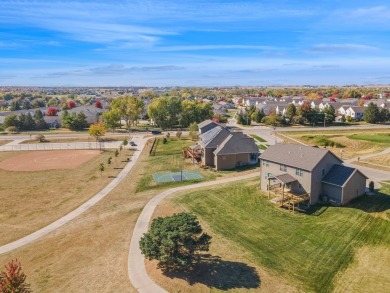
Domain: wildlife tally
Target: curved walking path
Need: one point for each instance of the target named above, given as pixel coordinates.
(136, 265)
(81, 209)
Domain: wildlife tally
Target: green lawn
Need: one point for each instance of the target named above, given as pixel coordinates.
(262, 147)
(258, 138)
(168, 158)
(306, 249)
(378, 137)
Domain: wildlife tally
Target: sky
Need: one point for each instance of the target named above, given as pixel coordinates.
(194, 43)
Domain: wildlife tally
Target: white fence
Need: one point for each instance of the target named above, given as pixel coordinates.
(60, 146)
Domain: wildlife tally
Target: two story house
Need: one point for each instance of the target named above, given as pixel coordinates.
(310, 170)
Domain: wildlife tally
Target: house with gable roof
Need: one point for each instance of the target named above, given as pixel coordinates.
(312, 171)
(222, 149)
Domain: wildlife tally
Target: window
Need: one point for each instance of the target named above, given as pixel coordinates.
(283, 168)
(299, 172)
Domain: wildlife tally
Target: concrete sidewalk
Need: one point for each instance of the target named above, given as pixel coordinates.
(136, 262)
(81, 209)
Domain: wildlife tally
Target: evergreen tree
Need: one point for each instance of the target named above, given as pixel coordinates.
(330, 114)
(371, 114)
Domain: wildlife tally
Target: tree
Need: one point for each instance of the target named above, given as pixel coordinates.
(112, 118)
(178, 134)
(98, 104)
(290, 112)
(71, 104)
(384, 115)
(101, 169)
(258, 115)
(174, 241)
(166, 111)
(372, 114)
(116, 153)
(14, 106)
(109, 161)
(194, 130)
(330, 114)
(128, 108)
(352, 94)
(13, 280)
(125, 142)
(97, 130)
(40, 123)
(52, 111)
(11, 120)
(26, 122)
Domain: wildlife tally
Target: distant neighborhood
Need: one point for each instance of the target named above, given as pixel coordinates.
(179, 107)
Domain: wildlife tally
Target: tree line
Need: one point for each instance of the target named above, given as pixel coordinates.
(166, 112)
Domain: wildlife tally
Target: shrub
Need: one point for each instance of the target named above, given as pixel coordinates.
(11, 129)
(40, 138)
(13, 280)
(371, 186)
(165, 140)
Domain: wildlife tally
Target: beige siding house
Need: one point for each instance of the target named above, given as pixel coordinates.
(310, 170)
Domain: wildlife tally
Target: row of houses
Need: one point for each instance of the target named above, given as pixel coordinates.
(343, 107)
(92, 114)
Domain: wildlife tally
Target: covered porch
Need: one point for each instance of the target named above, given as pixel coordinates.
(281, 192)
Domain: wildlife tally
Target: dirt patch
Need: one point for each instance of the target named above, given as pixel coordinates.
(370, 272)
(48, 160)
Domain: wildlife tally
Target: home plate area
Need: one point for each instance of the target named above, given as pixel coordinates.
(177, 176)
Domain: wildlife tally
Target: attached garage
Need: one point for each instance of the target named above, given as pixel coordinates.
(342, 184)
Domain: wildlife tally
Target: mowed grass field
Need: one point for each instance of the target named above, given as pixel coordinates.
(30, 200)
(169, 158)
(325, 251)
(356, 142)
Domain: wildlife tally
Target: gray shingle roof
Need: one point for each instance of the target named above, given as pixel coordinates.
(338, 175)
(295, 155)
(237, 143)
(213, 137)
(205, 123)
(285, 178)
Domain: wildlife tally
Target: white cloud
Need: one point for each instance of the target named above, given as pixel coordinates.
(340, 48)
(212, 47)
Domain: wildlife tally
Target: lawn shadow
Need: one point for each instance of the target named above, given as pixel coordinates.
(315, 210)
(215, 272)
(378, 202)
(111, 176)
(118, 168)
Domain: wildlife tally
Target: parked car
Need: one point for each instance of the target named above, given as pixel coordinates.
(156, 132)
(132, 143)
